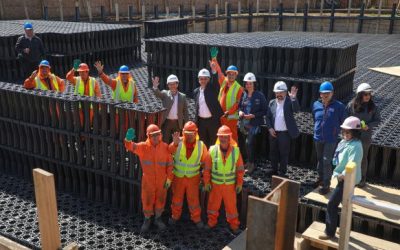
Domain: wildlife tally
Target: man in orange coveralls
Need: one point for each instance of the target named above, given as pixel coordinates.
(190, 155)
(224, 179)
(156, 162)
(43, 79)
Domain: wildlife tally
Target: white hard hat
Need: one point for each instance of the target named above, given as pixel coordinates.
(351, 122)
(249, 77)
(172, 78)
(280, 86)
(204, 73)
(364, 87)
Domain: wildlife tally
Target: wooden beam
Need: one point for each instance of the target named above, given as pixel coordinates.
(47, 209)
(7, 244)
(345, 218)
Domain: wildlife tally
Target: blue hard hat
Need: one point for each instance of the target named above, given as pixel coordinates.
(326, 87)
(44, 63)
(232, 68)
(124, 69)
(28, 26)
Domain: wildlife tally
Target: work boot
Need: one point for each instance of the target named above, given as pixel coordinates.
(159, 223)
(325, 237)
(250, 168)
(146, 225)
(324, 190)
(207, 227)
(361, 184)
(172, 221)
(235, 231)
(200, 225)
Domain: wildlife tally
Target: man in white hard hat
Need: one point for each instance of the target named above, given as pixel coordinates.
(208, 109)
(176, 113)
(281, 125)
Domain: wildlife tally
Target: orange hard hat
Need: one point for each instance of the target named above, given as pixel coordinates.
(190, 127)
(83, 67)
(152, 129)
(224, 130)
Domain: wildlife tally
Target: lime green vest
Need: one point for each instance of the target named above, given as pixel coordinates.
(230, 98)
(184, 167)
(80, 86)
(223, 173)
(40, 85)
(121, 95)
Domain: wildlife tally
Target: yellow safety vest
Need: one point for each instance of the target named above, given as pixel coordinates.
(184, 167)
(80, 86)
(121, 95)
(230, 98)
(223, 173)
(39, 84)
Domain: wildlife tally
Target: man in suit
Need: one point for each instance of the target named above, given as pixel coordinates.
(208, 109)
(282, 126)
(176, 113)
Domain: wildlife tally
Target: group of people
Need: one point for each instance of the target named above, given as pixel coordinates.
(207, 155)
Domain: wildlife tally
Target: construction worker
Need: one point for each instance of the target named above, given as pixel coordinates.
(124, 87)
(156, 162)
(230, 93)
(85, 85)
(224, 179)
(190, 154)
(43, 79)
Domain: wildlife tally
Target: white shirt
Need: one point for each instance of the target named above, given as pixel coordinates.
(204, 111)
(173, 113)
(280, 124)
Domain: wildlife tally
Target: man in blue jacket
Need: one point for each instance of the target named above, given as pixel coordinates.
(328, 115)
(282, 126)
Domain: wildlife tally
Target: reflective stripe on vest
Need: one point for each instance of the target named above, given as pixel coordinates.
(230, 98)
(80, 86)
(121, 95)
(39, 84)
(223, 173)
(187, 167)
(161, 163)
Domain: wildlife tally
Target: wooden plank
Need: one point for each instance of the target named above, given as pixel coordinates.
(357, 240)
(7, 244)
(72, 246)
(261, 218)
(347, 207)
(47, 209)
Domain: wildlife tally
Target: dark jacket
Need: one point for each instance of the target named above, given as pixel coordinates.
(327, 120)
(168, 100)
(37, 52)
(258, 107)
(211, 97)
(371, 118)
(290, 107)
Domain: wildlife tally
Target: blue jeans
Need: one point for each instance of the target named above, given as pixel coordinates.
(331, 219)
(325, 152)
(250, 147)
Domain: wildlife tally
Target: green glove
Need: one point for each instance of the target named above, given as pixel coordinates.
(76, 63)
(214, 52)
(167, 183)
(238, 189)
(130, 134)
(207, 188)
(363, 124)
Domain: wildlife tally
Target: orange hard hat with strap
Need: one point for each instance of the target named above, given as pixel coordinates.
(83, 67)
(152, 129)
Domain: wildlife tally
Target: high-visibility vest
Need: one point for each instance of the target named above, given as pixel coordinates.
(230, 97)
(80, 86)
(223, 173)
(184, 167)
(39, 84)
(121, 95)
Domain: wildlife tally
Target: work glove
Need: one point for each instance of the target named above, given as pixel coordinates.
(207, 188)
(214, 52)
(363, 124)
(76, 64)
(167, 184)
(238, 189)
(130, 134)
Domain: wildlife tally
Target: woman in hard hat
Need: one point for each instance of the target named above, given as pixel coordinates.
(349, 150)
(363, 107)
(252, 109)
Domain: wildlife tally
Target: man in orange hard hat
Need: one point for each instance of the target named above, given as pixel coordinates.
(85, 85)
(224, 179)
(156, 162)
(190, 155)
